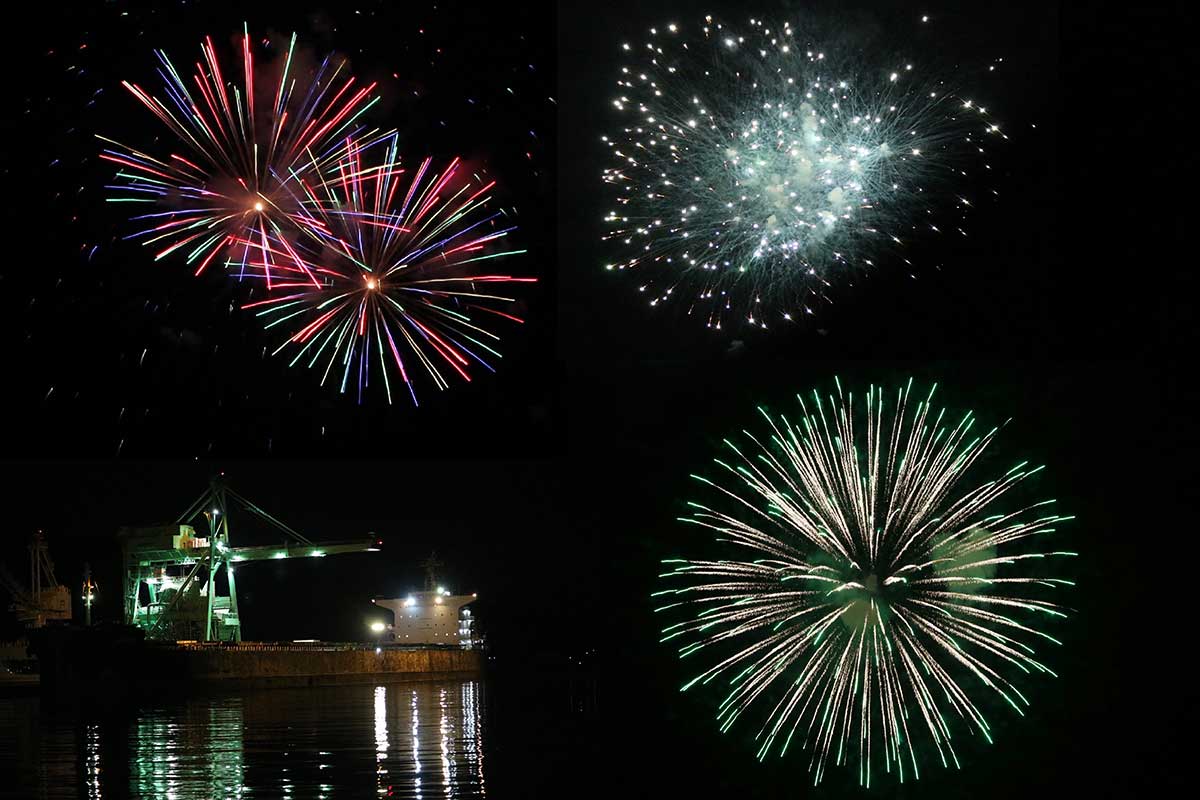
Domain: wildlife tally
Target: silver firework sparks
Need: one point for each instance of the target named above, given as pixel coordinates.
(755, 168)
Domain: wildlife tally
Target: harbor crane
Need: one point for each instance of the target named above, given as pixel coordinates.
(170, 587)
(45, 600)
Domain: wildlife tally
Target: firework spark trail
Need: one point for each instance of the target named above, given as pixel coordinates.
(755, 169)
(388, 272)
(864, 601)
(233, 186)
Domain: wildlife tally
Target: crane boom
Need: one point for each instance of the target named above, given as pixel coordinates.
(292, 550)
(182, 556)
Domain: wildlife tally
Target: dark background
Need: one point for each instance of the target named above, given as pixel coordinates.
(564, 554)
(1114, 723)
(119, 355)
(1074, 261)
(1002, 291)
(557, 502)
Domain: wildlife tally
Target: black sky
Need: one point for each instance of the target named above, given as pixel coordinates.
(1001, 291)
(124, 356)
(552, 489)
(565, 552)
(1103, 432)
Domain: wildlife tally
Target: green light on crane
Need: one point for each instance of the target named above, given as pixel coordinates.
(171, 588)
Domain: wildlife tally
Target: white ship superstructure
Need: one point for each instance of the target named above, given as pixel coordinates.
(430, 617)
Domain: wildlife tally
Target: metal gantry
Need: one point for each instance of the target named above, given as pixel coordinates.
(46, 599)
(178, 568)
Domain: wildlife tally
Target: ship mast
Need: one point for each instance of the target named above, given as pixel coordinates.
(431, 565)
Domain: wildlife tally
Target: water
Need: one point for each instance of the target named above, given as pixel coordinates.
(403, 740)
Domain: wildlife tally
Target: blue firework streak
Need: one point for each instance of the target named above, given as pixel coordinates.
(392, 278)
(240, 150)
(754, 168)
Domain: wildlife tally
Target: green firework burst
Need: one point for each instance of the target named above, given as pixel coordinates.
(875, 592)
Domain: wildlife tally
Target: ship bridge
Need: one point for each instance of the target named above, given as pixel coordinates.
(430, 617)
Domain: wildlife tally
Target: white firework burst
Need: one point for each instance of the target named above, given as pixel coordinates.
(755, 169)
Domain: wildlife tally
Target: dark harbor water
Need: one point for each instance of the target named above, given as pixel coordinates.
(404, 740)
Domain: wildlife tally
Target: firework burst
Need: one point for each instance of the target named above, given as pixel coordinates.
(392, 273)
(242, 150)
(874, 591)
(755, 169)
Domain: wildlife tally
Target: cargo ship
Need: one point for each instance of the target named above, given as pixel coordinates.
(182, 627)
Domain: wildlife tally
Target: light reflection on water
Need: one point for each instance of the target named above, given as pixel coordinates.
(406, 740)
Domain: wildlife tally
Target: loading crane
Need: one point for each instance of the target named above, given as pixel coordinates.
(46, 599)
(170, 585)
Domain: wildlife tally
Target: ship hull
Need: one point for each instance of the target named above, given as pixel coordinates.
(88, 663)
(261, 665)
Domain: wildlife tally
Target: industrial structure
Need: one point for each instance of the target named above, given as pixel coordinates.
(46, 600)
(182, 625)
(430, 617)
(171, 589)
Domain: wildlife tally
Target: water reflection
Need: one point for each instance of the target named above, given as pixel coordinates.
(381, 738)
(431, 724)
(191, 752)
(416, 740)
(91, 761)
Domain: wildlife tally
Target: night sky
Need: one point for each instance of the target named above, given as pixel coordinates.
(999, 291)
(564, 553)
(1101, 430)
(552, 488)
(125, 356)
